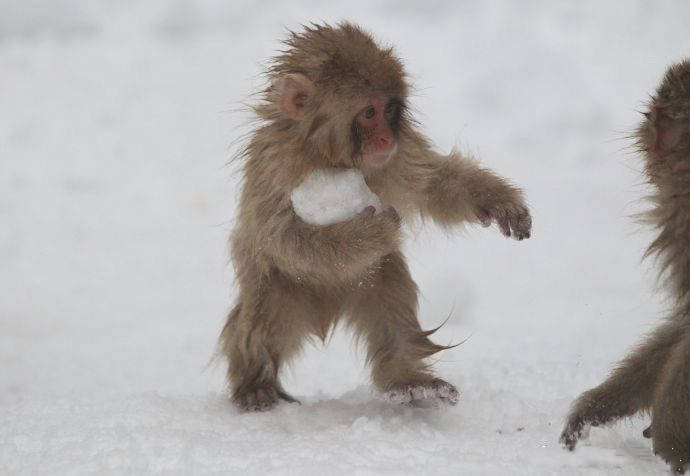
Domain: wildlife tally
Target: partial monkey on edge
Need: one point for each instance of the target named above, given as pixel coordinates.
(655, 377)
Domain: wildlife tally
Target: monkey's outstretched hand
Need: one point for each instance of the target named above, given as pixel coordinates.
(457, 189)
(513, 219)
(595, 407)
(575, 428)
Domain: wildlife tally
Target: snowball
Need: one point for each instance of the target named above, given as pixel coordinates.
(330, 196)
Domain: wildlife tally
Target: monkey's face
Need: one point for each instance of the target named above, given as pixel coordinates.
(374, 131)
(666, 128)
(349, 127)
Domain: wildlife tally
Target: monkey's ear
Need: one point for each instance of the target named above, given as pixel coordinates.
(295, 92)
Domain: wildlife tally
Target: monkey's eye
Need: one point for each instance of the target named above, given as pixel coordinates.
(369, 112)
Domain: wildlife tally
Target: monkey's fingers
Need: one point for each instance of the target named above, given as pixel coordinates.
(572, 433)
(568, 440)
(388, 219)
(484, 218)
(392, 212)
(388, 213)
(504, 225)
(287, 397)
(487, 216)
(516, 223)
(521, 223)
(368, 212)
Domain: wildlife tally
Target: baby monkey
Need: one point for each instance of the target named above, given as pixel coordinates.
(656, 377)
(337, 100)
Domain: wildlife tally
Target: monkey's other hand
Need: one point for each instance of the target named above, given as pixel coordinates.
(261, 398)
(388, 217)
(381, 230)
(513, 219)
(434, 393)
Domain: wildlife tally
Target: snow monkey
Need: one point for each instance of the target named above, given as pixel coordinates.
(656, 376)
(335, 99)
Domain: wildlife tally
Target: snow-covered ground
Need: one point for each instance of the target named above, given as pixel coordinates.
(117, 122)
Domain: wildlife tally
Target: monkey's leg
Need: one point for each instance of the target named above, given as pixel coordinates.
(629, 389)
(253, 360)
(671, 409)
(385, 314)
(261, 334)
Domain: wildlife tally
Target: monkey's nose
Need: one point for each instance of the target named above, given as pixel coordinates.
(386, 140)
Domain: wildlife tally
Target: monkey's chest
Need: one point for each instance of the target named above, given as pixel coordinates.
(329, 196)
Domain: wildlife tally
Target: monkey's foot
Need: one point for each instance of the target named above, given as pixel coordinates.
(433, 393)
(261, 398)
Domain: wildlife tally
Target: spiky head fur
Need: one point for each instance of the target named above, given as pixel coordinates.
(346, 67)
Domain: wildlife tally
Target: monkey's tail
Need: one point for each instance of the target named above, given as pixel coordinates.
(227, 328)
(222, 352)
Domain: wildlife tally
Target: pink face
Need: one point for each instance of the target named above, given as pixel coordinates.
(667, 132)
(375, 139)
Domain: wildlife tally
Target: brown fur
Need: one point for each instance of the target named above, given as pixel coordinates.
(296, 279)
(656, 376)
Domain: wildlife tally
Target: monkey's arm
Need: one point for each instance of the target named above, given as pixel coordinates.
(629, 389)
(453, 189)
(335, 252)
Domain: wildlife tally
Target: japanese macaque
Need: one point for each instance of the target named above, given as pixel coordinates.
(655, 378)
(336, 99)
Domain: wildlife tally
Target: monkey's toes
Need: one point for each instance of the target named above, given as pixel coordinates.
(259, 399)
(433, 393)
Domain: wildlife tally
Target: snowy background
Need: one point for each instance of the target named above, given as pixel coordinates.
(117, 122)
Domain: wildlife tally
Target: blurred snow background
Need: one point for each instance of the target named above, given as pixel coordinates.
(117, 121)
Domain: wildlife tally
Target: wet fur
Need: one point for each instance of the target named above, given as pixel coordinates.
(655, 378)
(297, 280)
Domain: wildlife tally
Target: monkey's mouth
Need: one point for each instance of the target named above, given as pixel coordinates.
(376, 159)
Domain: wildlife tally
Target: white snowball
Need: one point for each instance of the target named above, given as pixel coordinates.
(330, 196)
